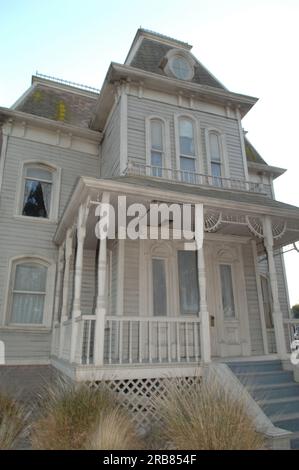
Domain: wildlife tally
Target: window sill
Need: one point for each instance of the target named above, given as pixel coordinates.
(28, 329)
(36, 219)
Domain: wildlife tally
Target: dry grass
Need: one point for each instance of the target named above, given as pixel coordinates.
(67, 414)
(114, 431)
(13, 421)
(205, 417)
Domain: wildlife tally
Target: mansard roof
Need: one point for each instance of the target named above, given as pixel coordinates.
(252, 154)
(153, 48)
(58, 103)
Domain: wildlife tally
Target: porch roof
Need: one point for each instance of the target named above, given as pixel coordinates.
(152, 189)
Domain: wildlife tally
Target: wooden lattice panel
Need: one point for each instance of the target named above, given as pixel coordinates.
(137, 396)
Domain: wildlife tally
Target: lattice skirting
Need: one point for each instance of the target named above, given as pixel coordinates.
(137, 396)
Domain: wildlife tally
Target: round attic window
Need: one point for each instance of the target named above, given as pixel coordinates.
(181, 68)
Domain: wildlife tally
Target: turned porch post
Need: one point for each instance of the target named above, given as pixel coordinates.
(100, 313)
(65, 286)
(58, 291)
(205, 341)
(277, 314)
(76, 311)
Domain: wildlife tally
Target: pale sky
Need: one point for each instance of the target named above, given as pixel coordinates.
(251, 46)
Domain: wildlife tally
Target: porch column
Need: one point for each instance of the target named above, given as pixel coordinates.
(205, 341)
(65, 286)
(101, 307)
(58, 292)
(76, 310)
(277, 314)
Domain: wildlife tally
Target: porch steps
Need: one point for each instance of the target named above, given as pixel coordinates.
(275, 391)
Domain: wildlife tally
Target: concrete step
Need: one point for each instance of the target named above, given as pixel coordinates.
(278, 408)
(253, 379)
(288, 422)
(295, 441)
(258, 366)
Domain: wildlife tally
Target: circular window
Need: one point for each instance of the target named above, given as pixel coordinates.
(181, 68)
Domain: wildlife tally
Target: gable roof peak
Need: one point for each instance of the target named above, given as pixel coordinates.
(157, 37)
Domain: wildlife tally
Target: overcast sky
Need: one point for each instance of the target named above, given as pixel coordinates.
(250, 46)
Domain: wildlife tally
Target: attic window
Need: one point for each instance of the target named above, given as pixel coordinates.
(181, 68)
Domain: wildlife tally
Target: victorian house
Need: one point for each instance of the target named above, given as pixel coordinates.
(162, 129)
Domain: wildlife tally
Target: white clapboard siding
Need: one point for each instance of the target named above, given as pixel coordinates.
(110, 149)
(282, 287)
(131, 279)
(21, 236)
(139, 109)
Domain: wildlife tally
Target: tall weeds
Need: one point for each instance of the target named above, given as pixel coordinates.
(13, 421)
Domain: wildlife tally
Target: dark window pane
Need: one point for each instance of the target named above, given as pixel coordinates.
(159, 287)
(188, 282)
(37, 199)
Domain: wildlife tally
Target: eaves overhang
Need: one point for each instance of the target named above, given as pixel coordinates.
(38, 121)
(261, 168)
(118, 73)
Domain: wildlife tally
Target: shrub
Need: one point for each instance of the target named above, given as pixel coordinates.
(13, 421)
(205, 417)
(295, 311)
(114, 431)
(67, 413)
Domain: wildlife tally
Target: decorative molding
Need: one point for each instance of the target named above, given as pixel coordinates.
(255, 226)
(212, 220)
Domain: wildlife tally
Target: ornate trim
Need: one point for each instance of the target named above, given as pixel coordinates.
(255, 226)
(278, 229)
(212, 220)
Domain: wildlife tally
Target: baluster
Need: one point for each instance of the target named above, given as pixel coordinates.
(178, 352)
(196, 342)
(150, 341)
(168, 326)
(140, 341)
(130, 331)
(159, 341)
(120, 341)
(187, 342)
(88, 341)
(110, 325)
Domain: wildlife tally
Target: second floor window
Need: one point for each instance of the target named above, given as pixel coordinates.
(37, 191)
(157, 147)
(187, 150)
(215, 156)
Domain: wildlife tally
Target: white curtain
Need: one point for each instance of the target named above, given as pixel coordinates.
(159, 287)
(227, 291)
(188, 282)
(28, 293)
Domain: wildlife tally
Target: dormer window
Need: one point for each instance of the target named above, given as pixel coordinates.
(179, 64)
(181, 68)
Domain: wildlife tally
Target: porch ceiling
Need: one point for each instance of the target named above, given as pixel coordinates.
(231, 206)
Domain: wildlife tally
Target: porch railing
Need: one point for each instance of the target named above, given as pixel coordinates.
(141, 169)
(292, 326)
(141, 340)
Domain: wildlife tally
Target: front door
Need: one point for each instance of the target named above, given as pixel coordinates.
(227, 301)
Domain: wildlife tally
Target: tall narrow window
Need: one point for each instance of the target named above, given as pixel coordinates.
(159, 287)
(188, 283)
(157, 147)
(28, 293)
(215, 156)
(187, 150)
(37, 194)
(227, 291)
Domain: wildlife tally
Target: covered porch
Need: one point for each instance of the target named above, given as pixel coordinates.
(106, 321)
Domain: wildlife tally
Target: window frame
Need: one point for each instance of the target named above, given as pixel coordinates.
(179, 54)
(166, 160)
(48, 298)
(55, 190)
(224, 164)
(234, 291)
(197, 144)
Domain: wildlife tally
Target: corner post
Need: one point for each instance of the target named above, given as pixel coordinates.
(100, 313)
(65, 287)
(277, 314)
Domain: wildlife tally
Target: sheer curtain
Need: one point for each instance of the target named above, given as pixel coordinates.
(188, 282)
(28, 295)
(227, 291)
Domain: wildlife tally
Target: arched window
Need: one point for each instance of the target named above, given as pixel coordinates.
(187, 150)
(157, 145)
(28, 292)
(215, 155)
(39, 191)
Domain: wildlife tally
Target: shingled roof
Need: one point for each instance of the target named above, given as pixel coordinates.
(252, 154)
(59, 105)
(149, 57)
